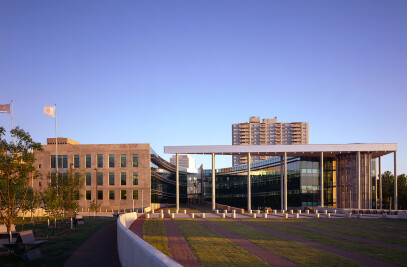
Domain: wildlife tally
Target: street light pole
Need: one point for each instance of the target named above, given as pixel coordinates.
(96, 195)
(142, 202)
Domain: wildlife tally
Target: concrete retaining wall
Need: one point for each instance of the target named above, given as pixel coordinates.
(134, 251)
(402, 215)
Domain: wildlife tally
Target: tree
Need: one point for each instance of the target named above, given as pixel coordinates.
(94, 207)
(71, 187)
(16, 170)
(52, 202)
(388, 190)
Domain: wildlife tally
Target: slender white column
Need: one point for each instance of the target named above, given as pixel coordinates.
(285, 180)
(395, 180)
(213, 182)
(380, 183)
(375, 183)
(249, 184)
(321, 182)
(282, 182)
(177, 180)
(370, 181)
(358, 178)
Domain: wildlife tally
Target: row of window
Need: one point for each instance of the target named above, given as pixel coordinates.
(63, 161)
(111, 194)
(123, 178)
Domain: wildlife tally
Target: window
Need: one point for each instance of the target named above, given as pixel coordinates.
(111, 178)
(88, 161)
(123, 178)
(76, 161)
(100, 194)
(76, 177)
(40, 184)
(111, 194)
(88, 178)
(100, 160)
(65, 161)
(135, 178)
(100, 178)
(135, 160)
(53, 161)
(135, 194)
(88, 195)
(111, 160)
(39, 166)
(123, 160)
(122, 194)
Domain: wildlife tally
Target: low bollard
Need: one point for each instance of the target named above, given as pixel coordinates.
(223, 215)
(234, 215)
(258, 211)
(148, 215)
(307, 212)
(162, 211)
(172, 215)
(225, 211)
(176, 211)
(203, 215)
(162, 215)
(266, 211)
(283, 211)
(299, 211)
(316, 211)
(317, 215)
(291, 211)
(169, 211)
(325, 211)
(265, 215)
(328, 215)
(285, 215)
(217, 211)
(275, 211)
(185, 211)
(296, 216)
(193, 215)
(250, 212)
(334, 211)
(152, 211)
(254, 215)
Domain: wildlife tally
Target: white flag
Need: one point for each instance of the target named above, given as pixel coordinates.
(5, 108)
(50, 111)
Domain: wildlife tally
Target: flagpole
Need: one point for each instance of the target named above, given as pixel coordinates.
(56, 143)
(12, 122)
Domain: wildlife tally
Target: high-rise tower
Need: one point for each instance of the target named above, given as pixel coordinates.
(267, 132)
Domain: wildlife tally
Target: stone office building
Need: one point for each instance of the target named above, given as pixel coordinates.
(118, 176)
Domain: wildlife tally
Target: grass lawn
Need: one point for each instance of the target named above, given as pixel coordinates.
(373, 251)
(294, 251)
(154, 234)
(60, 246)
(212, 249)
(359, 233)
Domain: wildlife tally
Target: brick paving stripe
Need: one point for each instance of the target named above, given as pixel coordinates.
(350, 255)
(262, 253)
(137, 226)
(180, 251)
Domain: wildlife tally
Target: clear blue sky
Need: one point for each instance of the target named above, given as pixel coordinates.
(181, 72)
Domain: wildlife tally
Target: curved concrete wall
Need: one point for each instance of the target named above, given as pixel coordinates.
(134, 251)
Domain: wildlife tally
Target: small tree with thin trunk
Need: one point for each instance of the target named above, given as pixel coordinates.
(93, 206)
(16, 170)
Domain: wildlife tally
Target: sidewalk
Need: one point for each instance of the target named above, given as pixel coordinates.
(99, 250)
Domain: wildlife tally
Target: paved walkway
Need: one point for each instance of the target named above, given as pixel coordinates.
(99, 250)
(262, 253)
(137, 226)
(179, 248)
(337, 251)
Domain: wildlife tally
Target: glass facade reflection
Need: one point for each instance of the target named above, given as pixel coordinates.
(163, 181)
(303, 183)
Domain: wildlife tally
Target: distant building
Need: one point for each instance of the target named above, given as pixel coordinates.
(185, 161)
(267, 132)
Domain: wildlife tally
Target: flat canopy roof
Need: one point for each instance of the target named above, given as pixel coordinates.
(278, 150)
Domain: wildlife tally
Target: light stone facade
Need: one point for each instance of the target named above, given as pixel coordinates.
(70, 148)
